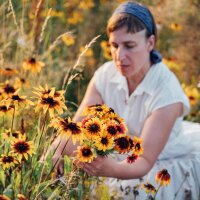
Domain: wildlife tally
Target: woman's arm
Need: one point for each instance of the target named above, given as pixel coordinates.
(155, 134)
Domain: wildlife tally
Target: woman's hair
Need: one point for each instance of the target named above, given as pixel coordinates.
(132, 23)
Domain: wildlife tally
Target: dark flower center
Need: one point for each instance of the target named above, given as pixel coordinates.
(9, 89)
(32, 61)
(112, 130)
(8, 69)
(7, 159)
(149, 186)
(137, 146)
(104, 140)
(3, 108)
(86, 152)
(123, 143)
(99, 109)
(94, 128)
(22, 147)
(16, 97)
(74, 128)
(50, 101)
(191, 98)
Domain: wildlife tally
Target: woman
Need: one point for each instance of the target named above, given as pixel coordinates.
(143, 91)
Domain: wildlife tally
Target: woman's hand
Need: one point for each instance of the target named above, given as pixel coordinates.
(100, 166)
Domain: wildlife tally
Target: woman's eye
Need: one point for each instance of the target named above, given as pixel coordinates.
(130, 46)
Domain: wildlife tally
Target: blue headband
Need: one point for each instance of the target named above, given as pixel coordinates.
(138, 11)
(143, 15)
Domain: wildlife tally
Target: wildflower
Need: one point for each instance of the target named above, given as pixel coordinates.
(176, 27)
(92, 127)
(132, 158)
(21, 82)
(50, 103)
(111, 129)
(68, 39)
(104, 142)
(8, 161)
(21, 197)
(4, 197)
(106, 50)
(75, 18)
(87, 4)
(5, 110)
(18, 101)
(7, 89)
(171, 63)
(137, 145)
(122, 144)
(22, 148)
(192, 93)
(149, 188)
(94, 110)
(33, 65)
(45, 91)
(15, 134)
(163, 177)
(8, 71)
(67, 127)
(85, 154)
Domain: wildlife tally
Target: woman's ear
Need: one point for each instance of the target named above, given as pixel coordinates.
(151, 43)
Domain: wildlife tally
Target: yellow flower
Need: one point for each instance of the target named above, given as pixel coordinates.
(5, 110)
(163, 177)
(171, 63)
(75, 18)
(122, 144)
(192, 93)
(96, 109)
(15, 134)
(21, 82)
(86, 4)
(176, 27)
(138, 150)
(85, 154)
(33, 65)
(67, 127)
(22, 148)
(106, 50)
(8, 161)
(49, 102)
(88, 53)
(149, 188)
(68, 39)
(110, 129)
(8, 71)
(92, 128)
(104, 142)
(7, 89)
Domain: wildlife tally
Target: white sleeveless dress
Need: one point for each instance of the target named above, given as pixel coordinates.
(181, 154)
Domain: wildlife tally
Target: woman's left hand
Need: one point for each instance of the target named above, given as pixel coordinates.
(100, 166)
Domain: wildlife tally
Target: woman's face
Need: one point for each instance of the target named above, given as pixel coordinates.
(131, 51)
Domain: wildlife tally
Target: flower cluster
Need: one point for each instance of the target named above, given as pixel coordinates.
(101, 132)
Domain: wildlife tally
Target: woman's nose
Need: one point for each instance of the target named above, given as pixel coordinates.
(120, 54)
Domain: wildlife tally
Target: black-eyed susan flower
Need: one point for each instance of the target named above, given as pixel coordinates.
(4, 197)
(75, 18)
(18, 101)
(192, 93)
(33, 65)
(50, 103)
(85, 154)
(149, 188)
(7, 89)
(8, 161)
(104, 142)
(176, 27)
(68, 128)
(110, 128)
(4, 110)
(163, 177)
(8, 71)
(132, 158)
(137, 142)
(21, 197)
(92, 128)
(106, 50)
(68, 39)
(122, 144)
(86, 5)
(22, 148)
(95, 110)
(21, 82)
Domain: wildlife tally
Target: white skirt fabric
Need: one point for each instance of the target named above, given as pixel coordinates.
(183, 164)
